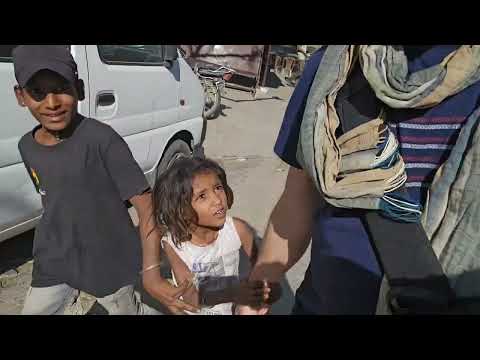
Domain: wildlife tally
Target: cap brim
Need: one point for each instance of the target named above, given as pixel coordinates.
(64, 72)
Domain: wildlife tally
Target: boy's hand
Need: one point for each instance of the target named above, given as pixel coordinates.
(169, 296)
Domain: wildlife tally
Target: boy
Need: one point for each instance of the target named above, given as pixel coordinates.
(85, 174)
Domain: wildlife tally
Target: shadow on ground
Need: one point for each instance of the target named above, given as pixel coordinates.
(16, 251)
(222, 108)
(273, 81)
(254, 99)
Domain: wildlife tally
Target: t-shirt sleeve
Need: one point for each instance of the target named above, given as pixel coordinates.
(123, 169)
(30, 172)
(287, 139)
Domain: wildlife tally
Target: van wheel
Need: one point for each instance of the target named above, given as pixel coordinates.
(174, 151)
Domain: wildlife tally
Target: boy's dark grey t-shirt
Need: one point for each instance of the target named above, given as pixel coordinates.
(85, 238)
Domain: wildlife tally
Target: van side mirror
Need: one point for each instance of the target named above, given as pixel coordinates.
(170, 54)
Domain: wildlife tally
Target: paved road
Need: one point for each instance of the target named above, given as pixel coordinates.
(241, 139)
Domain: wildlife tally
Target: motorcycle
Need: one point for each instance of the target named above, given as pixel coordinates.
(213, 78)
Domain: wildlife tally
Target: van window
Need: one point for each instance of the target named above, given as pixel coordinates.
(6, 53)
(131, 54)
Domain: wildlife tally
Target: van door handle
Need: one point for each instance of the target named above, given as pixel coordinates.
(105, 99)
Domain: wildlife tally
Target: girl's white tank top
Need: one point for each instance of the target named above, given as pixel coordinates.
(214, 266)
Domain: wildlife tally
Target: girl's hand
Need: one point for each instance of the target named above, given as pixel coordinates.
(272, 292)
(247, 310)
(275, 292)
(253, 293)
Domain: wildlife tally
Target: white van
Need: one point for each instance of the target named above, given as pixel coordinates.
(147, 93)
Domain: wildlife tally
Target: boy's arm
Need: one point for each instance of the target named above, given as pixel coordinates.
(153, 282)
(33, 177)
(130, 182)
(182, 274)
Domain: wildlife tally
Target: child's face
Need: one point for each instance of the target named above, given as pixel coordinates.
(209, 200)
(51, 99)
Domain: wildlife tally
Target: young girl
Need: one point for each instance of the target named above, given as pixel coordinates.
(202, 243)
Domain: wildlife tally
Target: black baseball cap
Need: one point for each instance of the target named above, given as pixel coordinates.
(30, 59)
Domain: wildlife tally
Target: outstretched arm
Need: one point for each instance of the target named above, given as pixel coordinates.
(289, 230)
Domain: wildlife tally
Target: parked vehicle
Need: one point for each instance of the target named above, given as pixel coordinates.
(213, 78)
(147, 93)
(250, 62)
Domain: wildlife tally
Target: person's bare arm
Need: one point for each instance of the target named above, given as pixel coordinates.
(153, 282)
(272, 290)
(182, 274)
(289, 229)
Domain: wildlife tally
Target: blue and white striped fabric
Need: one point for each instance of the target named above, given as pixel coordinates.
(427, 136)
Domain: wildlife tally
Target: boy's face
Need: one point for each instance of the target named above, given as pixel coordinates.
(51, 99)
(209, 200)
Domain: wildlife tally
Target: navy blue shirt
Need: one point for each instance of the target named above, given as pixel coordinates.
(344, 276)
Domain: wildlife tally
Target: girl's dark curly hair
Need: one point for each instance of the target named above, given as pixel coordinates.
(172, 196)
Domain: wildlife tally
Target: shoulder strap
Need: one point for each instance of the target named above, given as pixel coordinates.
(416, 278)
(232, 238)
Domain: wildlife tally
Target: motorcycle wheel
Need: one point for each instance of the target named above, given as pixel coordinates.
(212, 102)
